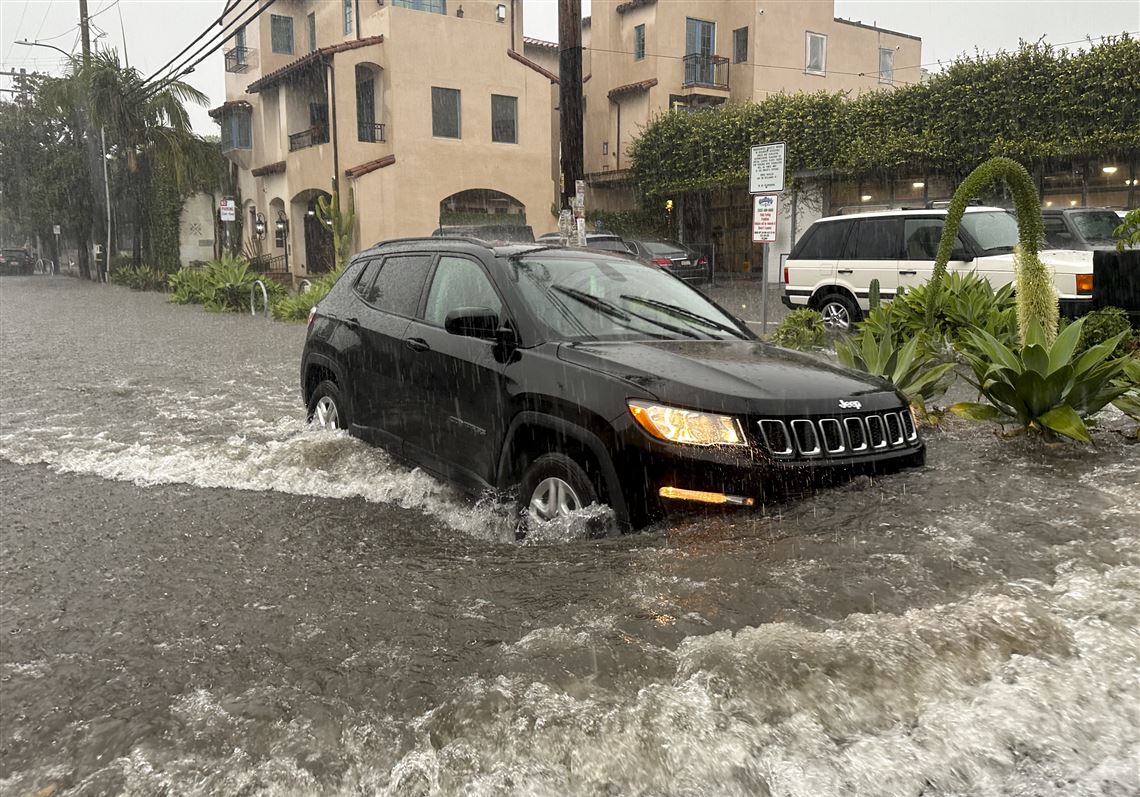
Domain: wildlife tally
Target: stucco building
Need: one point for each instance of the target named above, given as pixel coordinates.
(644, 57)
(324, 95)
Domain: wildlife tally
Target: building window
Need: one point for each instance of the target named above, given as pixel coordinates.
(281, 29)
(237, 129)
(816, 63)
(445, 112)
(366, 127)
(240, 51)
(313, 31)
(431, 6)
(639, 43)
(740, 46)
(504, 119)
(886, 65)
(348, 16)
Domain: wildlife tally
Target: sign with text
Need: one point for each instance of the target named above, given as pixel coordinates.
(766, 168)
(227, 209)
(764, 218)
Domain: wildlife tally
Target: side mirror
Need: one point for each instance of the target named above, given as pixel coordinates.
(472, 322)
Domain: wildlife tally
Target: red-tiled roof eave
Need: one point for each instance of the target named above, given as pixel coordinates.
(277, 75)
(630, 88)
(630, 5)
(227, 105)
(533, 42)
(269, 168)
(522, 59)
(370, 166)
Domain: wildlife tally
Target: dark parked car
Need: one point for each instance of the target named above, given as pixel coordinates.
(572, 377)
(15, 261)
(676, 258)
(1085, 229)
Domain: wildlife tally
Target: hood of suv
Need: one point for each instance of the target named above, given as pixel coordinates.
(1064, 261)
(738, 377)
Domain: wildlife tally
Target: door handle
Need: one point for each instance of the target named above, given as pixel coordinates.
(846, 271)
(908, 273)
(352, 323)
(417, 344)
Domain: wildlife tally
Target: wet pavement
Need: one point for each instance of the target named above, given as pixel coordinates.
(202, 596)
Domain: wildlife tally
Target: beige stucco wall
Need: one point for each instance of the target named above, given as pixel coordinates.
(401, 199)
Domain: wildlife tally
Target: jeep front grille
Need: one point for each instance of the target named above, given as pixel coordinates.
(847, 435)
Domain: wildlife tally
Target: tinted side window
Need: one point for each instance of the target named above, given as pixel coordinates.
(367, 276)
(1056, 233)
(398, 286)
(920, 239)
(458, 282)
(824, 241)
(877, 239)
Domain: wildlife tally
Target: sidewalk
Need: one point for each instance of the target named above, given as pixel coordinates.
(741, 295)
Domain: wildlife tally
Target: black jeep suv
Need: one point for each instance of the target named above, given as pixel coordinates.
(573, 376)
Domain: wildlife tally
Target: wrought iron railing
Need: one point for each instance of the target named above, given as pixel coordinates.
(706, 70)
(308, 138)
(238, 59)
(268, 265)
(370, 132)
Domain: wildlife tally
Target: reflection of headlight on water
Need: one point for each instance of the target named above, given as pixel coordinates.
(687, 426)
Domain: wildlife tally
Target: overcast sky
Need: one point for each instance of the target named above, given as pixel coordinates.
(157, 29)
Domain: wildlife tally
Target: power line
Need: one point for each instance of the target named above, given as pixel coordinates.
(23, 13)
(201, 36)
(227, 33)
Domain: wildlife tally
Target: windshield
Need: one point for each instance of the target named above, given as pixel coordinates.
(994, 230)
(664, 248)
(1096, 225)
(606, 298)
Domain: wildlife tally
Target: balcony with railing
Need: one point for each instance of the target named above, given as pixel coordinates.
(318, 134)
(706, 71)
(239, 59)
(371, 132)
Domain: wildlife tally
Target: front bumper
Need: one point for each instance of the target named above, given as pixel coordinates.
(1075, 308)
(749, 472)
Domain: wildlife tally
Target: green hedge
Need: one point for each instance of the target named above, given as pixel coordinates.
(1036, 105)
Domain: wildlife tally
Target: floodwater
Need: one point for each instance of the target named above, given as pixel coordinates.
(202, 596)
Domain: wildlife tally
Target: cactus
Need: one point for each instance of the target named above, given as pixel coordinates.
(1036, 293)
(873, 295)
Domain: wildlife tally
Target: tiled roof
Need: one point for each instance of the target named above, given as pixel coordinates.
(269, 168)
(522, 59)
(227, 106)
(540, 43)
(630, 88)
(630, 5)
(370, 166)
(277, 75)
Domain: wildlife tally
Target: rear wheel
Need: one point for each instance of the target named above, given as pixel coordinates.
(326, 408)
(839, 311)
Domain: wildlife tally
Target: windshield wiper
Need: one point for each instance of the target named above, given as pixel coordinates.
(610, 309)
(681, 312)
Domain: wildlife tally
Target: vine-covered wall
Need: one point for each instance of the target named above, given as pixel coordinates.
(1037, 105)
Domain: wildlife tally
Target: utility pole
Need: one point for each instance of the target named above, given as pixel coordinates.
(570, 95)
(85, 30)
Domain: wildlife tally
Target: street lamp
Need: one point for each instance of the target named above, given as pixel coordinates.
(259, 227)
(283, 228)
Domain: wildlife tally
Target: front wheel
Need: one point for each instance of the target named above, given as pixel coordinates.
(839, 312)
(326, 407)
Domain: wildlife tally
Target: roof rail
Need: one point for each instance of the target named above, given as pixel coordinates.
(433, 238)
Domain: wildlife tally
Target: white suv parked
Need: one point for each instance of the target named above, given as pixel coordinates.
(832, 265)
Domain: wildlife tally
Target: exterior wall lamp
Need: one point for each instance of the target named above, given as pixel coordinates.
(259, 227)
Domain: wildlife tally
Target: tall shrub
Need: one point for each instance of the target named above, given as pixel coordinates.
(340, 224)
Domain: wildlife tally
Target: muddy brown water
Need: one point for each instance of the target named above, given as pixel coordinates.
(202, 596)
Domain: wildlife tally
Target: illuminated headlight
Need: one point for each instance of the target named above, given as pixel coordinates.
(686, 426)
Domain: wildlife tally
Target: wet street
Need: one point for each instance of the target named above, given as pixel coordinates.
(202, 596)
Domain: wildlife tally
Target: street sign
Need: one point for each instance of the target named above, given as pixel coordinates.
(764, 218)
(766, 169)
(56, 230)
(227, 210)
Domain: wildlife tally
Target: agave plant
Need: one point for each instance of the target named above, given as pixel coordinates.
(190, 286)
(1129, 401)
(908, 368)
(1042, 387)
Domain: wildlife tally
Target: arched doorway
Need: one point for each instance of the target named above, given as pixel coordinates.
(477, 206)
(317, 238)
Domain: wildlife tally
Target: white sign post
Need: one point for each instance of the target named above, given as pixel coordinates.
(765, 177)
(764, 217)
(766, 169)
